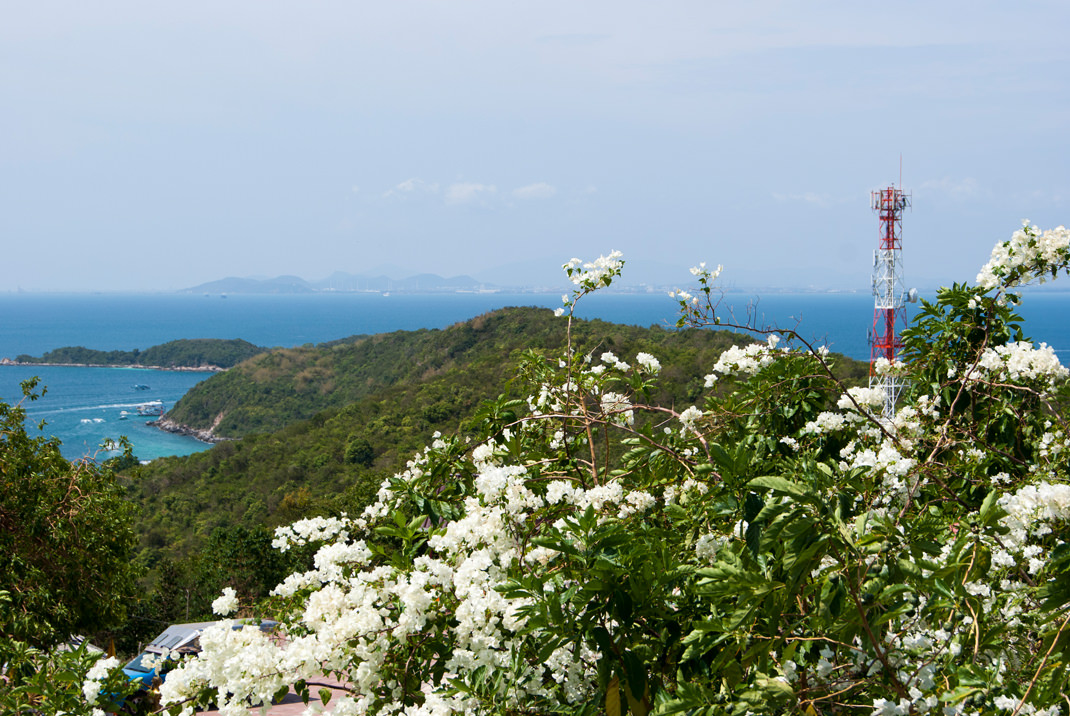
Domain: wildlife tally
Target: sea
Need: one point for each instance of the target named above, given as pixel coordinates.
(89, 408)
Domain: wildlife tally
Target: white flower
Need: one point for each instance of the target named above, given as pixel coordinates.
(1028, 255)
(688, 418)
(1017, 362)
(706, 547)
(746, 361)
(93, 677)
(648, 362)
(865, 397)
(315, 529)
(617, 409)
(483, 454)
(611, 359)
(884, 707)
(226, 604)
(597, 273)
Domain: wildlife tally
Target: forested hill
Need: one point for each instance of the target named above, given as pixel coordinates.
(185, 353)
(279, 387)
(344, 416)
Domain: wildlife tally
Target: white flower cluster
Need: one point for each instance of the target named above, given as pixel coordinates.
(648, 363)
(1021, 362)
(707, 546)
(849, 402)
(226, 604)
(688, 419)
(701, 271)
(743, 361)
(243, 662)
(1009, 703)
(1052, 445)
(864, 397)
(828, 422)
(1029, 254)
(617, 409)
(1032, 511)
(636, 502)
(355, 613)
(95, 676)
(610, 359)
(595, 273)
(885, 460)
(314, 529)
(883, 366)
(685, 492)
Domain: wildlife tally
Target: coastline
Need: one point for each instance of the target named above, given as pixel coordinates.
(170, 426)
(181, 368)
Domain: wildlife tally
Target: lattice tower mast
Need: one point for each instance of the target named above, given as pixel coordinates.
(889, 295)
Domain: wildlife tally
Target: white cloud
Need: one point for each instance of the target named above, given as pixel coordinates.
(808, 197)
(412, 186)
(539, 190)
(954, 188)
(468, 192)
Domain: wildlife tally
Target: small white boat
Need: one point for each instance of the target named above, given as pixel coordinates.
(152, 408)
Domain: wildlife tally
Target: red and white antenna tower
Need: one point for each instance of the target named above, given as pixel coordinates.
(889, 296)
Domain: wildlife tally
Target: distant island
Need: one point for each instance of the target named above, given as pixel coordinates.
(341, 282)
(212, 354)
(344, 282)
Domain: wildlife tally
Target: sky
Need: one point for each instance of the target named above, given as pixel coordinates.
(157, 146)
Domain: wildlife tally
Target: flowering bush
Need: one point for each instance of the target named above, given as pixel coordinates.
(781, 546)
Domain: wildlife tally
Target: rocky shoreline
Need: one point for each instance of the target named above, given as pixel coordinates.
(204, 435)
(179, 368)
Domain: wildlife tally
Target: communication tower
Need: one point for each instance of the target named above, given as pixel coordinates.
(889, 295)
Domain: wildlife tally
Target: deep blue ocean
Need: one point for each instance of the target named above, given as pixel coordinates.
(83, 406)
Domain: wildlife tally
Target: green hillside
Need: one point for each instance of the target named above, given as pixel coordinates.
(279, 387)
(322, 426)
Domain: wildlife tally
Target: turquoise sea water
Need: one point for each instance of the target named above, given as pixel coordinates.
(82, 406)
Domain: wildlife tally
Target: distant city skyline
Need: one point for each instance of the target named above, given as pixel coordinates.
(148, 147)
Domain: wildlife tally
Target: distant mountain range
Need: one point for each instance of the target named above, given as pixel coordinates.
(340, 281)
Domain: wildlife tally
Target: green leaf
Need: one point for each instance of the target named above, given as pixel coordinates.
(753, 537)
(325, 696)
(635, 674)
(988, 508)
(909, 568)
(779, 484)
(556, 543)
(602, 638)
(280, 694)
(752, 505)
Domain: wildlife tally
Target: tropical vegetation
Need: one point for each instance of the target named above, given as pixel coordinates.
(66, 564)
(783, 544)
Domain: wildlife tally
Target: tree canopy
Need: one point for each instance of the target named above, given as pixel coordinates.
(66, 538)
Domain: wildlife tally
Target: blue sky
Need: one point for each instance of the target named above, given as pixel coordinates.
(151, 146)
